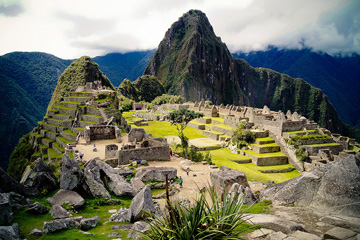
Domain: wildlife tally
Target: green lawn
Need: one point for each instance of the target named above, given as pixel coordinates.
(323, 144)
(273, 154)
(164, 128)
(356, 149)
(223, 156)
(266, 145)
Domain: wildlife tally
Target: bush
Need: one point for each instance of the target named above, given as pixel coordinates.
(301, 154)
(242, 137)
(219, 219)
(165, 98)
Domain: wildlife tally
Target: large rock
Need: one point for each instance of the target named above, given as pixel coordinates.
(137, 134)
(9, 232)
(64, 196)
(61, 224)
(135, 230)
(87, 223)
(142, 203)
(123, 215)
(148, 174)
(333, 187)
(137, 184)
(40, 177)
(8, 184)
(95, 185)
(59, 212)
(114, 181)
(223, 180)
(71, 176)
(6, 214)
(125, 171)
(37, 209)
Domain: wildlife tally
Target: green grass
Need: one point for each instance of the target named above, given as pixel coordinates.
(224, 156)
(48, 140)
(265, 139)
(266, 145)
(36, 135)
(55, 144)
(353, 148)
(42, 146)
(323, 145)
(215, 132)
(301, 131)
(68, 131)
(157, 191)
(64, 140)
(81, 128)
(224, 127)
(164, 128)
(273, 154)
(79, 96)
(27, 222)
(53, 154)
(89, 122)
(70, 102)
(90, 115)
(61, 107)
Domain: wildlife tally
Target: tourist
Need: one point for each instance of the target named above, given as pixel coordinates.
(180, 182)
(81, 156)
(170, 152)
(187, 171)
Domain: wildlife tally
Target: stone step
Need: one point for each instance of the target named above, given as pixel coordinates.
(52, 112)
(47, 142)
(82, 94)
(203, 120)
(53, 155)
(225, 138)
(69, 135)
(68, 111)
(91, 118)
(223, 129)
(53, 121)
(69, 104)
(260, 133)
(54, 128)
(335, 148)
(43, 148)
(196, 125)
(83, 124)
(51, 135)
(79, 99)
(62, 141)
(62, 116)
(242, 161)
(266, 140)
(212, 134)
(78, 130)
(298, 133)
(265, 148)
(266, 159)
(58, 149)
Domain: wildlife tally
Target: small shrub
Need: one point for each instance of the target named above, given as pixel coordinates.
(301, 154)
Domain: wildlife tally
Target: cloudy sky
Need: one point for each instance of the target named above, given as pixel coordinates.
(72, 28)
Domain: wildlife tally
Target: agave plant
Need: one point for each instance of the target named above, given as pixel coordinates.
(219, 219)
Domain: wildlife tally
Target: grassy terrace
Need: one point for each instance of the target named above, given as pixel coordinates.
(79, 96)
(89, 122)
(224, 126)
(70, 102)
(224, 156)
(265, 139)
(215, 132)
(90, 115)
(353, 148)
(265, 145)
(53, 154)
(48, 140)
(55, 144)
(164, 128)
(263, 155)
(48, 124)
(36, 135)
(81, 128)
(301, 131)
(64, 140)
(323, 144)
(60, 107)
(68, 131)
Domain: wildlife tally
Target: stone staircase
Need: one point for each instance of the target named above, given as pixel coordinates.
(64, 122)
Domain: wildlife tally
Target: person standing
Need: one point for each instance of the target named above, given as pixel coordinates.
(187, 171)
(181, 182)
(170, 152)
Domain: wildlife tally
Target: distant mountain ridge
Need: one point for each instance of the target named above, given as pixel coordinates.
(192, 61)
(337, 77)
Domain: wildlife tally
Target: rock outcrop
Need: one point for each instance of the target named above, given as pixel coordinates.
(123, 215)
(148, 174)
(142, 203)
(95, 186)
(6, 214)
(10, 232)
(39, 178)
(71, 176)
(136, 228)
(37, 209)
(64, 196)
(114, 181)
(59, 212)
(222, 181)
(332, 187)
(9, 184)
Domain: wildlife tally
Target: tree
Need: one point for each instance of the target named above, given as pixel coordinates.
(180, 118)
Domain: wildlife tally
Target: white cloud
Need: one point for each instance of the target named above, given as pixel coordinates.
(69, 29)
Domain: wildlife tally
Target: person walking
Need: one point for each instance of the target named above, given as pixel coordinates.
(170, 152)
(180, 182)
(187, 171)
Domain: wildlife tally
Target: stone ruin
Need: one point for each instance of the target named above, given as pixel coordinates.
(143, 146)
(101, 132)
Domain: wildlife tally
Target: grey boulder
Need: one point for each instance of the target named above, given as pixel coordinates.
(64, 196)
(137, 184)
(148, 174)
(95, 186)
(9, 232)
(114, 181)
(333, 187)
(37, 209)
(123, 215)
(87, 223)
(58, 212)
(61, 224)
(6, 214)
(71, 174)
(141, 204)
(136, 229)
(222, 181)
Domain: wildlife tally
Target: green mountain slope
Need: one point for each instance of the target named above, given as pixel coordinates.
(27, 81)
(337, 77)
(193, 62)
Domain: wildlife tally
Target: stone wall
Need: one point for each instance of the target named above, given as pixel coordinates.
(313, 150)
(98, 132)
(148, 153)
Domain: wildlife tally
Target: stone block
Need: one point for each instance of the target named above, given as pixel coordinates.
(223, 180)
